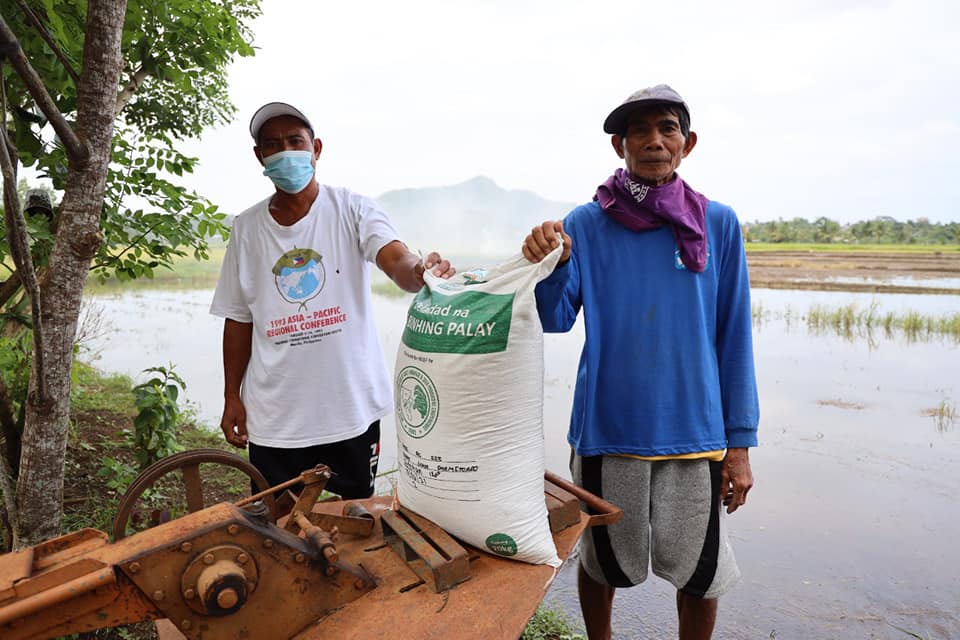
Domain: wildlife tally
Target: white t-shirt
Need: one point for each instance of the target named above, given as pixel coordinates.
(316, 372)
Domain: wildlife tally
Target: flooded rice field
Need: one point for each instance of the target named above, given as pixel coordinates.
(851, 528)
(856, 270)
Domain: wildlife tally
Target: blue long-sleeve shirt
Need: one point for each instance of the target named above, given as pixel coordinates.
(667, 364)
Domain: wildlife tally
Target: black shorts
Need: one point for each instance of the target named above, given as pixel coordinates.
(353, 462)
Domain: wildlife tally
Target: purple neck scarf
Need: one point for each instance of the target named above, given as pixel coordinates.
(642, 207)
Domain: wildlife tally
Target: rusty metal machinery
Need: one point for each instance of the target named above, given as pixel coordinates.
(187, 463)
(227, 571)
(218, 572)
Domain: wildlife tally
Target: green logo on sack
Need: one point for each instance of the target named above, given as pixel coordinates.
(417, 402)
(502, 544)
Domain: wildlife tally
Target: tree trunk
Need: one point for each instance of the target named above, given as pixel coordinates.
(40, 483)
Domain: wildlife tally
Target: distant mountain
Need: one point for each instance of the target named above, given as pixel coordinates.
(473, 219)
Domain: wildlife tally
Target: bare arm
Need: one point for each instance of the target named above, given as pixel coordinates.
(237, 342)
(405, 268)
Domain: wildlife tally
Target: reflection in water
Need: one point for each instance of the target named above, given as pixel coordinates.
(853, 321)
(851, 526)
(944, 415)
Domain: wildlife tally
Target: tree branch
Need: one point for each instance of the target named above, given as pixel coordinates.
(9, 287)
(9, 489)
(35, 21)
(112, 259)
(10, 441)
(126, 94)
(77, 151)
(19, 245)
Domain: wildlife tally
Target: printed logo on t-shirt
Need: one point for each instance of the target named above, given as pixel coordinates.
(299, 276)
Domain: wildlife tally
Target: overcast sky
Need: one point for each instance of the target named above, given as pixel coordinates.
(813, 107)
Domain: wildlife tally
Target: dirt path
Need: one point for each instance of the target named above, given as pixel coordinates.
(856, 271)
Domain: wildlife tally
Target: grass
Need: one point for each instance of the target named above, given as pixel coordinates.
(94, 391)
(189, 267)
(850, 320)
(102, 411)
(550, 624)
(944, 415)
(766, 247)
(909, 633)
(388, 289)
(187, 273)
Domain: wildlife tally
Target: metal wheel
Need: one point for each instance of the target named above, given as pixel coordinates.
(188, 463)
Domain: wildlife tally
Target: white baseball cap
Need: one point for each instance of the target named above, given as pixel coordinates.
(273, 110)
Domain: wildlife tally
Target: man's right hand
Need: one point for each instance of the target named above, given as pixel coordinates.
(543, 239)
(234, 422)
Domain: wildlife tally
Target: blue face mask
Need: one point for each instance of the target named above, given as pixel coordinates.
(291, 171)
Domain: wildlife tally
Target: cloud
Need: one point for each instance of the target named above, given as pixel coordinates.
(844, 95)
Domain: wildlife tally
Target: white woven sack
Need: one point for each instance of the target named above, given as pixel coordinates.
(469, 409)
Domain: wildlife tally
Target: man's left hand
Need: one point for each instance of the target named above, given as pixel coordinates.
(736, 479)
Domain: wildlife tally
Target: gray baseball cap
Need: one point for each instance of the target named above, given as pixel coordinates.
(273, 110)
(616, 122)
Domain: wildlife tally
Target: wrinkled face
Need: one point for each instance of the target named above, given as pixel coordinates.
(653, 145)
(285, 133)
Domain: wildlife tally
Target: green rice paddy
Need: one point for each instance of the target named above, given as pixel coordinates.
(851, 320)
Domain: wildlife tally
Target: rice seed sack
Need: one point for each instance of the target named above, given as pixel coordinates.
(469, 409)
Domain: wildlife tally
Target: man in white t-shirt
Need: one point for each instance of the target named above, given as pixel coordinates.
(304, 377)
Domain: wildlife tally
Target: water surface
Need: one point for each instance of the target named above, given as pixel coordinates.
(850, 531)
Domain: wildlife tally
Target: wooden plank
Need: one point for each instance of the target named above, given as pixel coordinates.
(426, 548)
(563, 508)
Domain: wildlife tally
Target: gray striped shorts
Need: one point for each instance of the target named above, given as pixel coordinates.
(673, 520)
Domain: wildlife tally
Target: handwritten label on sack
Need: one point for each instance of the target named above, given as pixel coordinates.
(450, 480)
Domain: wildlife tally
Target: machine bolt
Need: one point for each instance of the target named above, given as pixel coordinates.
(259, 511)
(158, 594)
(268, 544)
(189, 594)
(134, 567)
(299, 558)
(185, 624)
(233, 529)
(227, 598)
(186, 547)
(208, 558)
(242, 558)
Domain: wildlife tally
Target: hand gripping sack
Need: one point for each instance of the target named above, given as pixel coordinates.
(469, 409)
